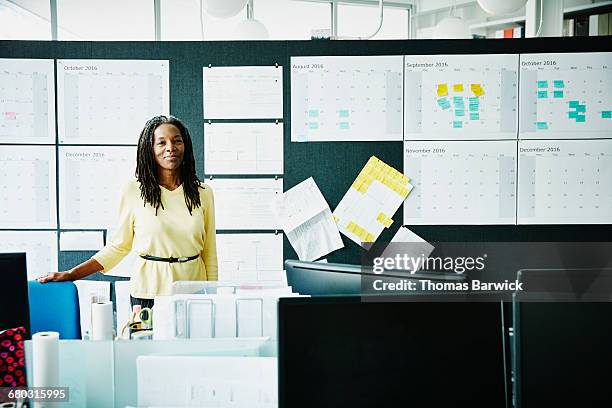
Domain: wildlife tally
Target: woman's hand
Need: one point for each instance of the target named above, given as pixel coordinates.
(55, 277)
(78, 272)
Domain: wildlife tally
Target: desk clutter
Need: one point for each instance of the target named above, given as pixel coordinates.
(223, 350)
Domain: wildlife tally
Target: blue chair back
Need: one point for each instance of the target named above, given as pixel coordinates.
(54, 306)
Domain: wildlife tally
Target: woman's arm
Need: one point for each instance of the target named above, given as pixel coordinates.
(112, 253)
(87, 268)
(209, 254)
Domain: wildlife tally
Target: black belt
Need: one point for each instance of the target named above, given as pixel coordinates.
(170, 260)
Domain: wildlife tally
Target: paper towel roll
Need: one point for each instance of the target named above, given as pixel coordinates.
(45, 356)
(102, 321)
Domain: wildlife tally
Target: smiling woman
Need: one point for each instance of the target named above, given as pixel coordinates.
(166, 215)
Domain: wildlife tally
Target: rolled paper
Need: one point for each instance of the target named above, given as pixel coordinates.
(102, 321)
(45, 356)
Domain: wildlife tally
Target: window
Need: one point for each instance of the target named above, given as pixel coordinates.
(20, 23)
(292, 20)
(180, 21)
(106, 20)
(361, 21)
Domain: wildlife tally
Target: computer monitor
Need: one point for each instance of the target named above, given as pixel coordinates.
(14, 306)
(344, 351)
(562, 338)
(320, 278)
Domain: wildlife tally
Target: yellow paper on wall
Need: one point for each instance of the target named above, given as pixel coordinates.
(477, 89)
(442, 90)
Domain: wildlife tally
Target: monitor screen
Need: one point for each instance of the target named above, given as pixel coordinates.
(563, 338)
(564, 354)
(14, 307)
(343, 351)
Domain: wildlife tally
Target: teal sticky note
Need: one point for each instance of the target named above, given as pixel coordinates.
(475, 116)
(558, 83)
(457, 124)
(558, 94)
(313, 113)
(542, 94)
(574, 104)
(542, 84)
(343, 125)
(473, 108)
(473, 99)
(344, 113)
(459, 112)
(580, 118)
(542, 125)
(572, 114)
(444, 104)
(313, 125)
(581, 108)
(606, 114)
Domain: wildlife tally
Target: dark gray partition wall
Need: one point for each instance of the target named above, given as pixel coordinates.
(334, 165)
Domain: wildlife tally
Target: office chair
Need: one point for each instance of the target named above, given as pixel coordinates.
(54, 306)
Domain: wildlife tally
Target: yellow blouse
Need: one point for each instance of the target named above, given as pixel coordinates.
(172, 233)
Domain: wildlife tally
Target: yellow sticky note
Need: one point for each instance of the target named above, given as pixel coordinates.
(477, 89)
(368, 238)
(388, 222)
(458, 87)
(442, 90)
(336, 219)
(381, 217)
